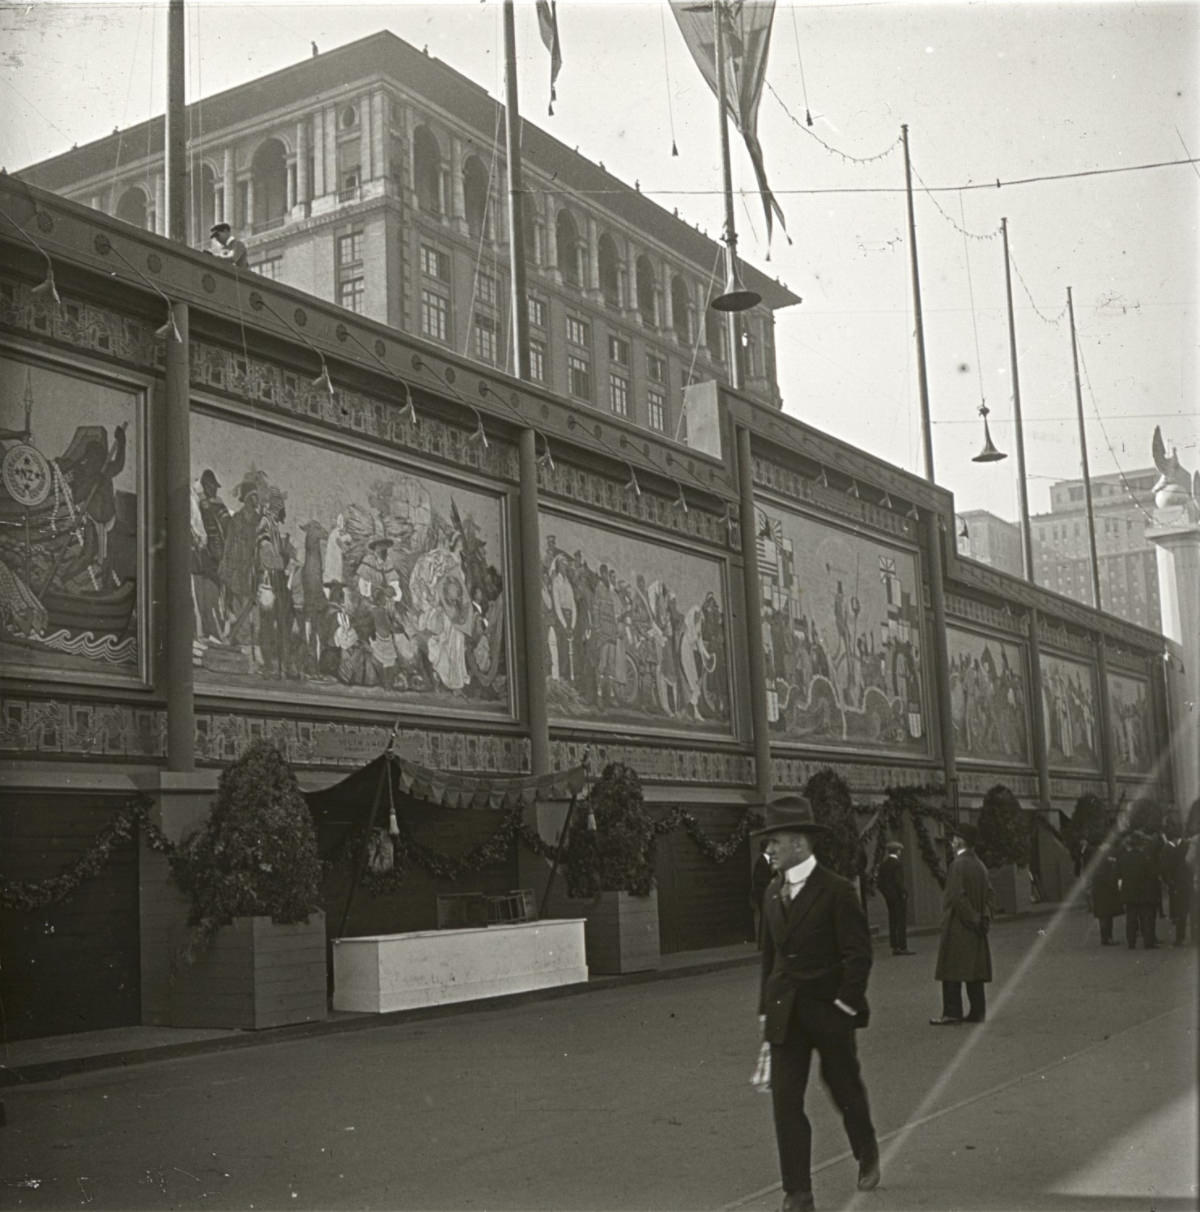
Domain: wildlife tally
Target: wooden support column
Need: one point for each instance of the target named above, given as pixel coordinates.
(1104, 721)
(531, 587)
(176, 499)
(1037, 716)
(763, 774)
(941, 657)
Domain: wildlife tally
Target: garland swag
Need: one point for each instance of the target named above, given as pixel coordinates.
(899, 801)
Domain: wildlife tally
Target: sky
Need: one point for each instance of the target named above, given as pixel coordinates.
(1014, 93)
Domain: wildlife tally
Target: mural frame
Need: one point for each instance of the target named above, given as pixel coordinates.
(953, 623)
(930, 750)
(563, 727)
(139, 387)
(1121, 769)
(355, 446)
(1072, 658)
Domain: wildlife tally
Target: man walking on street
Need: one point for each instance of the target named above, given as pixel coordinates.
(890, 882)
(816, 949)
(964, 954)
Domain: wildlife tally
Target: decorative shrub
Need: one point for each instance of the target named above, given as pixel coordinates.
(611, 847)
(840, 849)
(1146, 816)
(1089, 822)
(256, 854)
(1005, 831)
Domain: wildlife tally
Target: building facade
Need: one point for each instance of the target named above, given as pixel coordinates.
(990, 540)
(373, 176)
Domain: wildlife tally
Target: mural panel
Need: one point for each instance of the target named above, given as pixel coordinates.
(636, 632)
(343, 579)
(841, 634)
(1071, 712)
(989, 697)
(1131, 719)
(72, 563)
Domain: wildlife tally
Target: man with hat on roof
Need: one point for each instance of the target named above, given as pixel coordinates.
(816, 957)
(229, 247)
(964, 954)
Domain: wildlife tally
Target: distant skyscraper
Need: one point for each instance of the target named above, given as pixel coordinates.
(990, 540)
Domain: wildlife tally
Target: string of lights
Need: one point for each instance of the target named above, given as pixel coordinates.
(845, 157)
(981, 236)
(1054, 321)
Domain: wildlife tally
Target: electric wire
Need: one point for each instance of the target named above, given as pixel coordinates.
(974, 321)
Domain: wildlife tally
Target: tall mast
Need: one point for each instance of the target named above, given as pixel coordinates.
(1083, 457)
(175, 158)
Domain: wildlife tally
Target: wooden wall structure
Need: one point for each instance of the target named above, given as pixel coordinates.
(614, 620)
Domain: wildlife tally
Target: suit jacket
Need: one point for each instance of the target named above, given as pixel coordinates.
(890, 880)
(967, 900)
(818, 946)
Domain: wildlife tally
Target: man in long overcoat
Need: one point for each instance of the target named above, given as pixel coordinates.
(1105, 889)
(964, 955)
(816, 958)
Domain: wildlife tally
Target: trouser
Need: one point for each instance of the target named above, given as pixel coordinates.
(1140, 918)
(897, 911)
(1180, 923)
(821, 1027)
(1106, 928)
(952, 1000)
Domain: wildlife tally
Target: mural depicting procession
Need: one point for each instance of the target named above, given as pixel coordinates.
(69, 521)
(318, 570)
(636, 633)
(988, 697)
(841, 634)
(1131, 720)
(1069, 700)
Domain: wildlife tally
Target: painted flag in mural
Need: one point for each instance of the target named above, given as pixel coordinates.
(747, 35)
(547, 15)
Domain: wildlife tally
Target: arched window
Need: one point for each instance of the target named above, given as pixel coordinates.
(427, 171)
(647, 304)
(610, 272)
(134, 207)
(569, 250)
(475, 197)
(679, 310)
(269, 172)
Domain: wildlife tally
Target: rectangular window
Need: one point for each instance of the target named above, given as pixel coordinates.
(618, 350)
(485, 290)
(537, 360)
(484, 338)
(349, 184)
(435, 263)
(350, 294)
(579, 376)
(349, 249)
(618, 393)
(435, 315)
(537, 312)
(578, 331)
(656, 404)
(656, 368)
(268, 268)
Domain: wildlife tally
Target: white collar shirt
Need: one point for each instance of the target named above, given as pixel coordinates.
(795, 878)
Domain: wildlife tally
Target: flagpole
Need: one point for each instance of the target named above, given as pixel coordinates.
(1083, 455)
(922, 376)
(516, 228)
(731, 322)
(1026, 530)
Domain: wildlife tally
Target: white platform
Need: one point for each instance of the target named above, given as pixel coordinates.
(383, 972)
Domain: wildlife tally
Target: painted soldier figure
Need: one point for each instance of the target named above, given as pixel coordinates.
(890, 882)
(964, 955)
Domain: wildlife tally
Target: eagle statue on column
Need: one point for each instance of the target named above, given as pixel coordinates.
(1174, 485)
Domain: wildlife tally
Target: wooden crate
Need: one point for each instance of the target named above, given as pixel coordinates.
(516, 906)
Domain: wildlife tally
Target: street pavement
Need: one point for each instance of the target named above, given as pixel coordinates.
(1079, 1093)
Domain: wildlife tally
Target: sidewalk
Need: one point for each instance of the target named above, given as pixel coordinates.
(55, 1056)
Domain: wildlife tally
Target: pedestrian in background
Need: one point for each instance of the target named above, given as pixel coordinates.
(964, 955)
(1141, 892)
(816, 958)
(229, 247)
(890, 882)
(1177, 877)
(760, 878)
(1104, 893)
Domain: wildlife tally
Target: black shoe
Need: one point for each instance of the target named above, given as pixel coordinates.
(868, 1169)
(798, 1201)
(945, 1020)
(975, 1018)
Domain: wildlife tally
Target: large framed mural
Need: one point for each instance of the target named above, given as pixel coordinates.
(73, 550)
(1131, 720)
(841, 636)
(325, 574)
(637, 633)
(1070, 702)
(989, 698)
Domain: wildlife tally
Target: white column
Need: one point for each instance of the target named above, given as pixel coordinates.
(699, 327)
(319, 188)
(302, 182)
(291, 170)
(668, 312)
(592, 278)
(459, 206)
(551, 236)
(160, 204)
(229, 188)
(366, 169)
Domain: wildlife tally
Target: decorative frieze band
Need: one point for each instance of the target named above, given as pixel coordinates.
(995, 619)
(1120, 657)
(793, 773)
(655, 764)
(1054, 636)
(980, 782)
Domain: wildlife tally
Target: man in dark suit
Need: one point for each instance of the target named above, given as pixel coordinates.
(816, 949)
(1141, 893)
(963, 953)
(890, 882)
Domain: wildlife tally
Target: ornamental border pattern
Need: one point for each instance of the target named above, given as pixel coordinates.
(1120, 657)
(655, 764)
(800, 488)
(99, 330)
(291, 394)
(980, 782)
(794, 773)
(970, 610)
(1054, 635)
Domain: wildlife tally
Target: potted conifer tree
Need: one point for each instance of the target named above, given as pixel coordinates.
(1005, 840)
(253, 952)
(610, 861)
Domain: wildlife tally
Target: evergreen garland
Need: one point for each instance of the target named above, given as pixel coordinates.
(1005, 829)
(899, 802)
(841, 848)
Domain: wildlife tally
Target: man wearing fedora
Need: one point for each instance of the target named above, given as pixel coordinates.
(816, 957)
(890, 882)
(964, 955)
(229, 247)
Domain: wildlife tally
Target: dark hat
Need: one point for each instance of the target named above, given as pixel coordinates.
(968, 833)
(892, 847)
(381, 541)
(789, 814)
(208, 476)
(216, 227)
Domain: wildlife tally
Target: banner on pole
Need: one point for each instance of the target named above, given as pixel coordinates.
(547, 15)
